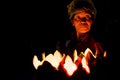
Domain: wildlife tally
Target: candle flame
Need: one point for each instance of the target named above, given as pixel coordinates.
(66, 62)
(69, 65)
(36, 62)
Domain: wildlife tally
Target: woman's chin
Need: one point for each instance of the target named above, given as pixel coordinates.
(83, 31)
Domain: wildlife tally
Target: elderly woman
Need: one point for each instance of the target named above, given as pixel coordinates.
(82, 14)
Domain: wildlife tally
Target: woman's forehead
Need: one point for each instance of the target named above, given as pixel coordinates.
(82, 13)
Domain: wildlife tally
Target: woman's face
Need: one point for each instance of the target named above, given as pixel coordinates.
(82, 22)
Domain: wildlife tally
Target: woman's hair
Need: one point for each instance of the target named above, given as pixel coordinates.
(77, 5)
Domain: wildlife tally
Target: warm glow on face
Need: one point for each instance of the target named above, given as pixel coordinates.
(69, 66)
(82, 22)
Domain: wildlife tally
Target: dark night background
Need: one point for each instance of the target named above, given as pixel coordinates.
(34, 27)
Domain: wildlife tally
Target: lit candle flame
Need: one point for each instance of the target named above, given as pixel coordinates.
(68, 65)
(55, 59)
(85, 65)
(36, 62)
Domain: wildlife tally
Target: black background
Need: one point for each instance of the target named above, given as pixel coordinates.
(32, 27)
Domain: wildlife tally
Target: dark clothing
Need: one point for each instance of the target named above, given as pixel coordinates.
(81, 44)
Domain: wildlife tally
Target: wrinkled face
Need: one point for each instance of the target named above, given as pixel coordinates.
(82, 22)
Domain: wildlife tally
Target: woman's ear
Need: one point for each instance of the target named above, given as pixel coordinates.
(72, 22)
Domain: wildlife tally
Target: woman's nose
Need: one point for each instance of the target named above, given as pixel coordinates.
(83, 19)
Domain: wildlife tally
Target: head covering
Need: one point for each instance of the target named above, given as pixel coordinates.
(77, 5)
